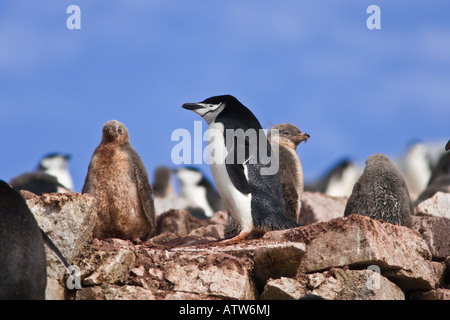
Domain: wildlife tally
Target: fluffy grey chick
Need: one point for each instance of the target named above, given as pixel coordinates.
(381, 192)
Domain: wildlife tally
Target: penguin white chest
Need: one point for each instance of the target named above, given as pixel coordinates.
(238, 204)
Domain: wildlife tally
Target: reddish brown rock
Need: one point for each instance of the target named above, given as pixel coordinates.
(358, 241)
(336, 284)
(270, 259)
(215, 232)
(436, 233)
(438, 206)
(180, 222)
(318, 207)
(437, 294)
(68, 219)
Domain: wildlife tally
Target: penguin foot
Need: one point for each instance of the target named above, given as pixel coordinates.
(241, 236)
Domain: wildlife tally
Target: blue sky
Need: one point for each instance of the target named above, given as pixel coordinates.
(311, 63)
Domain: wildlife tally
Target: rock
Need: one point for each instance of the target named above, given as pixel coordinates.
(180, 272)
(162, 238)
(211, 231)
(437, 294)
(358, 241)
(138, 272)
(270, 259)
(115, 269)
(318, 207)
(283, 289)
(130, 292)
(180, 222)
(118, 267)
(336, 284)
(185, 260)
(54, 290)
(435, 231)
(276, 260)
(437, 206)
(216, 274)
(220, 218)
(68, 219)
(114, 292)
(422, 277)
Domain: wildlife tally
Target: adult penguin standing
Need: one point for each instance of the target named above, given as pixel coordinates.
(249, 187)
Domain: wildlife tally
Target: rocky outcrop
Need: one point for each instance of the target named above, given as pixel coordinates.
(436, 206)
(436, 233)
(359, 242)
(346, 258)
(68, 219)
(335, 284)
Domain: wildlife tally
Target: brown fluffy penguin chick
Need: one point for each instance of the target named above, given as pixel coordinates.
(119, 181)
(290, 167)
(381, 192)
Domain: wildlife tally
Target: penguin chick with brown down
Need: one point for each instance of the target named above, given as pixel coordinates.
(118, 180)
(291, 172)
(381, 192)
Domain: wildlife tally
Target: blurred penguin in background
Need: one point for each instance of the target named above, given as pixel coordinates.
(338, 181)
(195, 187)
(440, 177)
(52, 175)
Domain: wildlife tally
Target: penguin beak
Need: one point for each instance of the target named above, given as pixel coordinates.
(192, 106)
(199, 108)
(304, 137)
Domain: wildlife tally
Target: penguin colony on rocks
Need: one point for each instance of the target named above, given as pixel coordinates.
(257, 197)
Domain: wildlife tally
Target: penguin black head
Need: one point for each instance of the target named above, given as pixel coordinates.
(54, 160)
(210, 108)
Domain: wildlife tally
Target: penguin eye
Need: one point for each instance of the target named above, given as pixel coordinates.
(120, 130)
(286, 133)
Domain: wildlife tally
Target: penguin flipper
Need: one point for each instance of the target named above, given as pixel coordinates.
(236, 170)
(145, 191)
(238, 178)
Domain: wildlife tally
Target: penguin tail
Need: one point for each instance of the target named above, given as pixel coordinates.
(276, 222)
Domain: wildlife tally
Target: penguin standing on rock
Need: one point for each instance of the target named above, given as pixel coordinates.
(291, 172)
(245, 181)
(381, 192)
(117, 178)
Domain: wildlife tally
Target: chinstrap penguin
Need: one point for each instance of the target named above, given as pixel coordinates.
(381, 192)
(118, 180)
(440, 178)
(51, 175)
(56, 164)
(162, 182)
(291, 172)
(338, 181)
(253, 196)
(195, 187)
